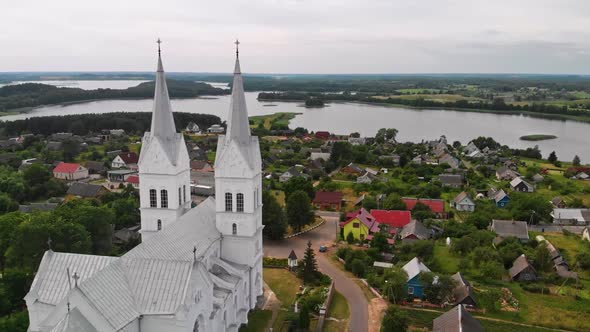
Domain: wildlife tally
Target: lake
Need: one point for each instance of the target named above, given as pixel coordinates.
(344, 118)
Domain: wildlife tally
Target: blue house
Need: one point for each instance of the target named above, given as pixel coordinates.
(414, 268)
(501, 198)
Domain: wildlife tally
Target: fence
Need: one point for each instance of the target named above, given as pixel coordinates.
(325, 308)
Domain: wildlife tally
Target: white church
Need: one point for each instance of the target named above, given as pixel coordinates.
(196, 269)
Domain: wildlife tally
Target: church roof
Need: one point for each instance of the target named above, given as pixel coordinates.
(73, 321)
(238, 126)
(152, 278)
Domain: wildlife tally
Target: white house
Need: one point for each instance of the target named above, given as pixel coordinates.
(196, 269)
(125, 160)
(463, 202)
(70, 171)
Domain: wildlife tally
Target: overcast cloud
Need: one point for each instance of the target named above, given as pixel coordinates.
(298, 36)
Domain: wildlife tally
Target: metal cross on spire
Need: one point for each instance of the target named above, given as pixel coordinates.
(159, 50)
(195, 253)
(76, 277)
(237, 42)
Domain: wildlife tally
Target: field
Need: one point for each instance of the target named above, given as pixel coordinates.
(286, 286)
(338, 310)
(280, 120)
(537, 137)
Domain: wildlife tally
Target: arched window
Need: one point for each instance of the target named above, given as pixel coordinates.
(240, 202)
(153, 198)
(179, 196)
(159, 224)
(234, 229)
(163, 198)
(184, 193)
(228, 202)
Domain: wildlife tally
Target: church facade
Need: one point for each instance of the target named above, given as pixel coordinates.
(197, 269)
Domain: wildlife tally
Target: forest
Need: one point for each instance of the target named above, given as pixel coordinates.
(34, 94)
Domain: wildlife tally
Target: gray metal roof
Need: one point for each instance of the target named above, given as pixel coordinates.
(456, 320)
(238, 125)
(508, 228)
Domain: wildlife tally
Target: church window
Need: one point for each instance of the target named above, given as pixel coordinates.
(234, 229)
(228, 202)
(163, 198)
(179, 196)
(184, 192)
(153, 198)
(240, 202)
(255, 200)
(159, 224)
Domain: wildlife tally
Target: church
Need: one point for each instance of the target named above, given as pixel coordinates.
(197, 269)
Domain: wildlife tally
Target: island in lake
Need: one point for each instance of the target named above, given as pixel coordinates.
(537, 137)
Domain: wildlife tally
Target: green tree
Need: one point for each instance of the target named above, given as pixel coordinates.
(273, 217)
(491, 270)
(304, 319)
(527, 207)
(96, 220)
(309, 271)
(394, 284)
(395, 320)
(299, 211)
(369, 203)
(542, 260)
(583, 260)
(70, 149)
(36, 174)
(8, 226)
(422, 212)
(380, 242)
(552, 157)
(394, 202)
(576, 161)
(350, 238)
(479, 220)
(7, 204)
(298, 183)
(437, 288)
(358, 267)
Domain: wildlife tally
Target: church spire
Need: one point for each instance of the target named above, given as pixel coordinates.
(162, 120)
(238, 126)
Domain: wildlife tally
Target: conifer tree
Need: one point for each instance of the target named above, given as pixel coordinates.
(310, 266)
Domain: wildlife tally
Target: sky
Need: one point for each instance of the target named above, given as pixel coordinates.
(298, 36)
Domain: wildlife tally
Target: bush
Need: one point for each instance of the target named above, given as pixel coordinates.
(343, 252)
(275, 262)
(350, 238)
(535, 288)
(358, 267)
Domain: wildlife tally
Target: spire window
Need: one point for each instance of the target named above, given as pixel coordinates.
(240, 202)
(164, 198)
(159, 225)
(184, 193)
(179, 196)
(153, 198)
(228, 202)
(234, 229)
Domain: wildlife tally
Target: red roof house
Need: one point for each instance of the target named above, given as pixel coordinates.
(134, 180)
(126, 159)
(70, 171)
(328, 200)
(363, 216)
(322, 134)
(436, 205)
(393, 218)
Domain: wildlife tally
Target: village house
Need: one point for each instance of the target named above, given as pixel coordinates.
(352, 169)
(463, 292)
(192, 128)
(437, 206)
(463, 202)
(292, 172)
(450, 160)
(85, 190)
(322, 135)
(393, 159)
(415, 231)
(328, 200)
(125, 160)
(414, 285)
(571, 216)
(96, 167)
(319, 155)
(522, 270)
(366, 178)
(558, 202)
(510, 228)
(119, 176)
(537, 178)
(499, 196)
(394, 219)
(457, 319)
(360, 223)
(216, 129)
(582, 176)
(519, 184)
(70, 171)
(451, 180)
(506, 174)
(201, 166)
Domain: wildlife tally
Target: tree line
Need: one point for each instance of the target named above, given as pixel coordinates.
(34, 94)
(83, 124)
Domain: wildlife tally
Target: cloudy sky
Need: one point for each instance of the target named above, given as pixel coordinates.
(298, 36)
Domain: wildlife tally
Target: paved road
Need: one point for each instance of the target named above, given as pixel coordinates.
(326, 234)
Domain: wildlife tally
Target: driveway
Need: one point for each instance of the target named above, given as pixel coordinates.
(326, 234)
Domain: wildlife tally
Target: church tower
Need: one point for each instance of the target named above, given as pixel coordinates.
(164, 165)
(238, 188)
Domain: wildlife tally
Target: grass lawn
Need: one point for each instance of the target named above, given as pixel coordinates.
(448, 263)
(257, 321)
(281, 119)
(284, 284)
(279, 195)
(338, 309)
